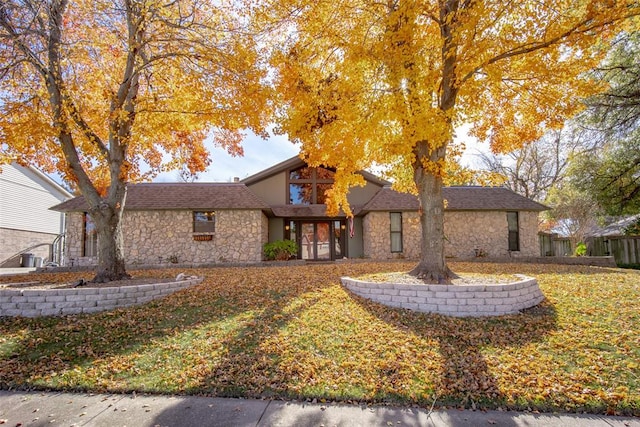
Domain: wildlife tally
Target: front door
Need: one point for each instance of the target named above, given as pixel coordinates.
(318, 240)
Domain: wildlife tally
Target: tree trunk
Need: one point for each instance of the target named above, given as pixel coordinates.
(108, 221)
(432, 267)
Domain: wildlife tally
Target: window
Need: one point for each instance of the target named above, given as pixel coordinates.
(513, 226)
(204, 222)
(301, 194)
(307, 186)
(89, 237)
(395, 219)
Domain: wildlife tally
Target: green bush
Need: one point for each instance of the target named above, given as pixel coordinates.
(280, 250)
(581, 249)
(632, 229)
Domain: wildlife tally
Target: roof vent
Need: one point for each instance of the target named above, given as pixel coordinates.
(236, 179)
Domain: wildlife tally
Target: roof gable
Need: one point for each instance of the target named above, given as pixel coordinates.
(458, 198)
(171, 196)
(296, 162)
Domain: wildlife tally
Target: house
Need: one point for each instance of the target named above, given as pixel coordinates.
(211, 223)
(621, 227)
(27, 225)
(619, 239)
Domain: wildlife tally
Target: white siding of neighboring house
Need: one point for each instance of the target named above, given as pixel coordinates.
(25, 199)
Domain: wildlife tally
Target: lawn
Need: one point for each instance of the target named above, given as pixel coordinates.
(295, 333)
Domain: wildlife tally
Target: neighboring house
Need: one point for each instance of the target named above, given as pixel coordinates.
(200, 223)
(615, 229)
(26, 223)
(613, 240)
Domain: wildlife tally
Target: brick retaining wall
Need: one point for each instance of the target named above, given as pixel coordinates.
(60, 302)
(452, 300)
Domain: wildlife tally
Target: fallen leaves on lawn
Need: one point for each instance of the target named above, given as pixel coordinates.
(295, 332)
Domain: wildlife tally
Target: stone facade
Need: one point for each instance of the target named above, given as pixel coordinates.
(465, 232)
(487, 231)
(376, 234)
(166, 236)
(25, 240)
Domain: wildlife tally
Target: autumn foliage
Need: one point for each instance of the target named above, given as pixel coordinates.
(192, 76)
(111, 92)
(370, 83)
(296, 333)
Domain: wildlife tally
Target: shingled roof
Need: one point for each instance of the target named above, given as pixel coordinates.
(458, 199)
(169, 196)
(308, 211)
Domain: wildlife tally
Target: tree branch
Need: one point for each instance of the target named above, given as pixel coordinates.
(580, 27)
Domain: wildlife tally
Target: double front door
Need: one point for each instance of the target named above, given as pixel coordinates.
(318, 240)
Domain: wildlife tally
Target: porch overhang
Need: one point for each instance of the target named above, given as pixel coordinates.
(308, 211)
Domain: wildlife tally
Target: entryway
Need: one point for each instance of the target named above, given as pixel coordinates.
(318, 240)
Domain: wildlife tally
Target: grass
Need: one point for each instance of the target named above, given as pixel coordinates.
(296, 333)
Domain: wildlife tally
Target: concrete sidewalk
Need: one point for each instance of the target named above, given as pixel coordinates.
(16, 271)
(66, 409)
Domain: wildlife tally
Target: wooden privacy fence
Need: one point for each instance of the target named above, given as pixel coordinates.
(554, 245)
(624, 249)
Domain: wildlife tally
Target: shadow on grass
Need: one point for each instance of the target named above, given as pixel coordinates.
(35, 353)
(222, 337)
(59, 352)
(465, 378)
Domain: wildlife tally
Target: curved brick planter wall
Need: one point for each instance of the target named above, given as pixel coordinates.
(452, 300)
(60, 302)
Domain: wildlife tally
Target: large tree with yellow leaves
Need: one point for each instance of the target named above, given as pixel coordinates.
(108, 92)
(386, 82)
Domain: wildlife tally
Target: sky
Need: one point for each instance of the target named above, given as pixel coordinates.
(260, 154)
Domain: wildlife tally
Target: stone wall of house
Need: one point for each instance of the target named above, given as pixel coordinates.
(73, 242)
(14, 242)
(465, 232)
(265, 233)
(529, 240)
(377, 236)
(163, 237)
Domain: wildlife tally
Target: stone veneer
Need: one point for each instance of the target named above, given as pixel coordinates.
(452, 300)
(164, 236)
(465, 231)
(376, 234)
(61, 302)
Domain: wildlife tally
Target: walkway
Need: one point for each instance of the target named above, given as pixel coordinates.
(66, 409)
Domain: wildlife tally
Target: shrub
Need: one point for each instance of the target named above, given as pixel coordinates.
(633, 229)
(581, 249)
(280, 250)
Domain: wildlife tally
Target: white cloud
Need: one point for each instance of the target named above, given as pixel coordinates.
(259, 154)
(474, 147)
